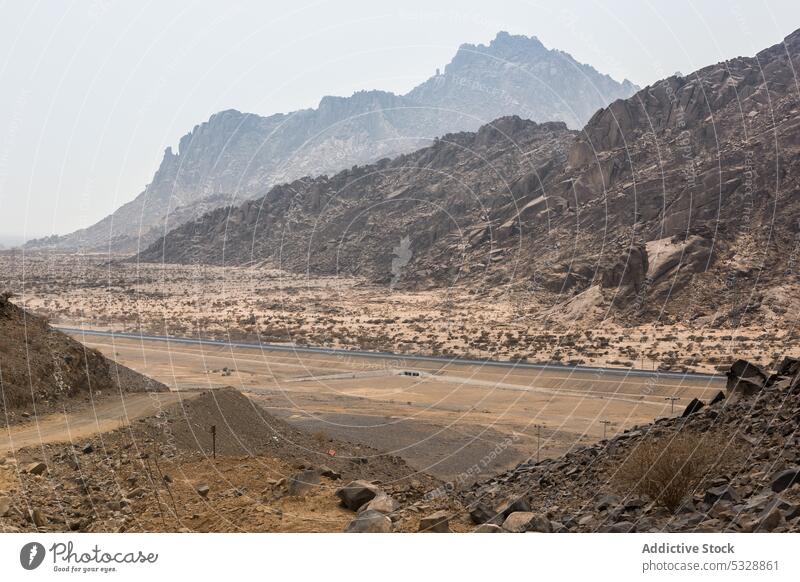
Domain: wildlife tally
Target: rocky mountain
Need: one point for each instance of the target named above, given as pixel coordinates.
(517, 75)
(237, 156)
(42, 369)
(355, 222)
(677, 203)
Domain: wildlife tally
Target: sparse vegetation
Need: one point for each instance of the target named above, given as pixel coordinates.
(669, 469)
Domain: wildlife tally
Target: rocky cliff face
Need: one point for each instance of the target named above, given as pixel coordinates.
(238, 156)
(689, 186)
(676, 203)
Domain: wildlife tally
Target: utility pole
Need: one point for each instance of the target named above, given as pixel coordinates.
(605, 424)
(672, 400)
(538, 441)
(214, 440)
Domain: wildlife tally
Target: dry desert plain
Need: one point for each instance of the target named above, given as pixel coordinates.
(265, 305)
(453, 420)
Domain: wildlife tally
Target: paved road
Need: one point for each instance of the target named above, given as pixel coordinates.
(388, 355)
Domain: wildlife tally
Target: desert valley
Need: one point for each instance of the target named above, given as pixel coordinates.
(381, 315)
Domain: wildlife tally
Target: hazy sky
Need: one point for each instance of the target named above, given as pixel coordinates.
(91, 92)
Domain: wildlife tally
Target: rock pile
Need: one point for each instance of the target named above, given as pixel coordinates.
(581, 491)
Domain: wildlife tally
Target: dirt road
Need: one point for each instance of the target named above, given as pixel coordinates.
(94, 419)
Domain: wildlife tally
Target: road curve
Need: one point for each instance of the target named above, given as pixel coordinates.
(388, 355)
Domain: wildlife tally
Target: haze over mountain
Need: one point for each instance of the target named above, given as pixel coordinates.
(678, 202)
(235, 156)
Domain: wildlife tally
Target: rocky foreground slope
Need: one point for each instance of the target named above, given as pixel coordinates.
(236, 156)
(42, 369)
(678, 203)
(729, 465)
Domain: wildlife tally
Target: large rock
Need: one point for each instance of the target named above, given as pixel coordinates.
(720, 493)
(482, 513)
(788, 367)
(357, 493)
(381, 503)
(488, 528)
(694, 406)
(438, 522)
(745, 378)
(303, 483)
(526, 521)
(785, 479)
(512, 505)
(771, 520)
(718, 398)
(37, 468)
(370, 522)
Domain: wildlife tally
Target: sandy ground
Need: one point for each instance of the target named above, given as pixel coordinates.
(445, 421)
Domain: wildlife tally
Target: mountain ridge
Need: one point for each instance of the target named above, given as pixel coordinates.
(235, 156)
(664, 204)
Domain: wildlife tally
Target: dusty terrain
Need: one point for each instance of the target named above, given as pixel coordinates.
(443, 421)
(147, 475)
(271, 306)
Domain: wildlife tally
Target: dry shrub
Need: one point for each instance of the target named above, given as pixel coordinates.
(669, 469)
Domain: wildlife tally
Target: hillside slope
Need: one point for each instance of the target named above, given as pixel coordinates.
(42, 368)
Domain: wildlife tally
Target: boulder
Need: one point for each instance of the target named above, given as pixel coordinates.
(488, 528)
(527, 521)
(136, 493)
(745, 369)
(788, 367)
(482, 513)
(357, 493)
(694, 406)
(370, 522)
(303, 483)
(37, 468)
(606, 502)
(381, 503)
(771, 520)
(718, 398)
(720, 493)
(513, 505)
(785, 479)
(745, 378)
(202, 490)
(36, 517)
(438, 522)
(326, 471)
